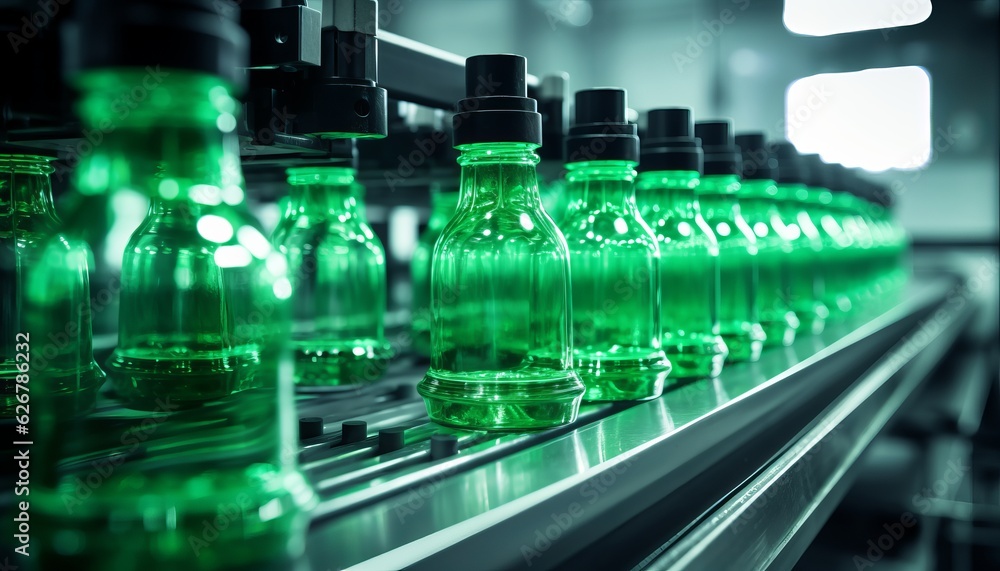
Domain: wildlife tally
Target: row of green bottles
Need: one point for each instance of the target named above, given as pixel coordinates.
(200, 463)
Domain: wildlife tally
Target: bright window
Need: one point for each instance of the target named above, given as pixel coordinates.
(827, 17)
(875, 119)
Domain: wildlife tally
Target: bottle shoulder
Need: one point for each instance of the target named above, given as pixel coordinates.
(502, 227)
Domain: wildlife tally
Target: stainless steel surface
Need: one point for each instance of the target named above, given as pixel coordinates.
(771, 520)
(542, 505)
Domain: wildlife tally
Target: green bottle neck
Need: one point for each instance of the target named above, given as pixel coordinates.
(602, 184)
(672, 192)
(499, 175)
(168, 133)
(324, 191)
(25, 187)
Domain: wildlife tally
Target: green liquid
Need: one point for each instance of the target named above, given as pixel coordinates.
(356, 362)
(184, 489)
(633, 374)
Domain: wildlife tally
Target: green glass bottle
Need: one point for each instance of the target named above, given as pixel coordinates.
(614, 257)
(500, 284)
(858, 238)
(807, 271)
(669, 171)
(443, 205)
(339, 281)
(719, 194)
(204, 476)
(759, 205)
(47, 332)
(837, 242)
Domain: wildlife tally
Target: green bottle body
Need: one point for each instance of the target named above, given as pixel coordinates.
(500, 302)
(615, 277)
(337, 264)
(837, 253)
(443, 205)
(738, 310)
(689, 273)
(806, 280)
(201, 472)
(46, 331)
(760, 209)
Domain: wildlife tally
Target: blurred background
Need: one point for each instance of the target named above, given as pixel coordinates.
(738, 58)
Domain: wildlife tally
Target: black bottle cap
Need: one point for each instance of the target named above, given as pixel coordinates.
(791, 169)
(758, 161)
(197, 35)
(352, 431)
(443, 446)
(391, 439)
(497, 108)
(600, 131)
(816, 173)
(722, 156)
(669, 143)
(310, 427)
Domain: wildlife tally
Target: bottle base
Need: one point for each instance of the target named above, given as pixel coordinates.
(695, 357)
(611, 376)
(68, 392)
(812, 318)
(779, 334)
(523, 399)
(359, 362)
(144, 379)
(744, 346)
(126, 524)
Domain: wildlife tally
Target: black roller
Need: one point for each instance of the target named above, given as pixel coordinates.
(352, 431)
(391, 439)
(443, 446)
(669, 144)
(310, 427)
